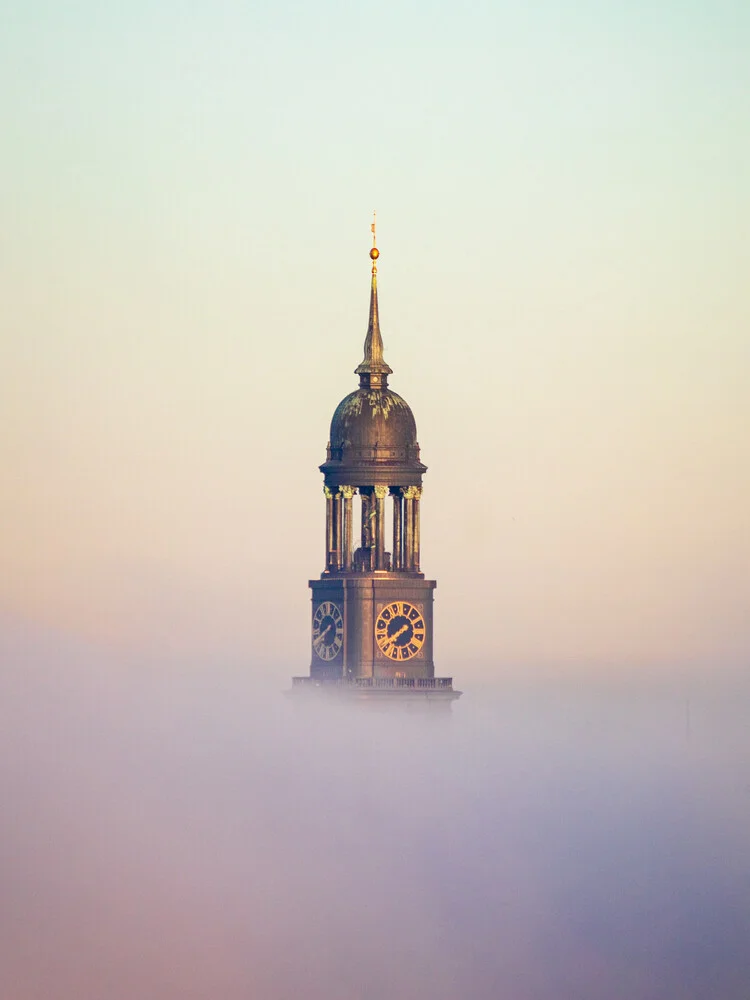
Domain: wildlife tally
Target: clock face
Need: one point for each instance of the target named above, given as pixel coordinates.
(327, 630)
(400, 630)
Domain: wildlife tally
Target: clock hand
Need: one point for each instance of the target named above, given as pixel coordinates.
(321, 638)
(398, 632)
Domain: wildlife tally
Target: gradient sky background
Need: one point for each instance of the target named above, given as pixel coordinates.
(564, 224)
(563, 220)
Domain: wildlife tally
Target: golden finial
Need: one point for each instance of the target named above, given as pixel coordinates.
(374, 253)
(373, 372)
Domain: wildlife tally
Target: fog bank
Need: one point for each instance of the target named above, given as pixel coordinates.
(189, 833)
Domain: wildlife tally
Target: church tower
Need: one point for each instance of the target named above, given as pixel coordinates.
(372, 608)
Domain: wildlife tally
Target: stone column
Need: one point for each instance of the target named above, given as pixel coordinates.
(381, 492)
(408, 527)
(348, 492)
(367, 501)
(416, 497)
(398, 516)
(330, 547)
(337, 532)
(364, 498)
(411, 496)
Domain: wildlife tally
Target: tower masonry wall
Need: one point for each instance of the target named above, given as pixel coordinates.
(361, 598)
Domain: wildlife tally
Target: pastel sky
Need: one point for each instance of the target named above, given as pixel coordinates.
(564, 216)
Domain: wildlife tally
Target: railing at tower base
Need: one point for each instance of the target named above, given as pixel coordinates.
(421, 688)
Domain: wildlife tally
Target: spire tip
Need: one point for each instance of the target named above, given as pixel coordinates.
(373, 371)
(374, 253)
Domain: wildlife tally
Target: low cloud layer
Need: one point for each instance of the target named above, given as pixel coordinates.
(176, 834)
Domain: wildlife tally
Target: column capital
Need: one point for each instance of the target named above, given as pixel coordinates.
(348, 491)
(411, 492)
(331, 494)
(381, 492)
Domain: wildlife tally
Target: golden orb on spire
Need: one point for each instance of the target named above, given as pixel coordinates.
(374, 253)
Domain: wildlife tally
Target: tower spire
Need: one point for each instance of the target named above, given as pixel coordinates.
(373, 371)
